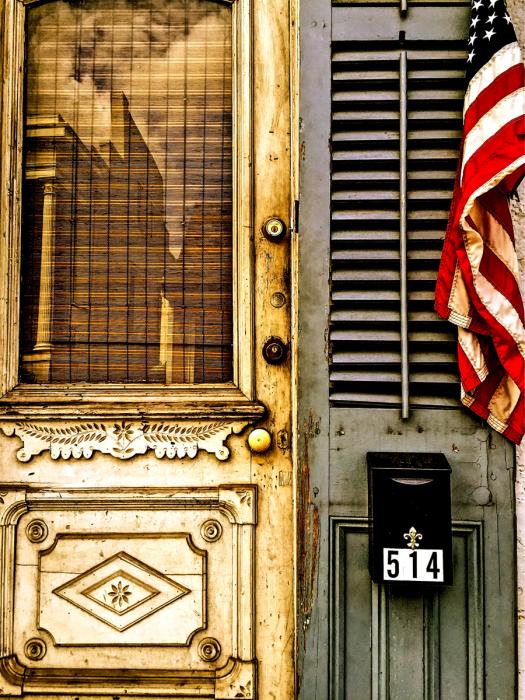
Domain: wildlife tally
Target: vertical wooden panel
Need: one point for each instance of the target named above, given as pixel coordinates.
(272, 189)
(313, 422)
(405, 644)
(399, 642)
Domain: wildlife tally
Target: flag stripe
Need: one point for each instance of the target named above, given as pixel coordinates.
(481, 395)
(497, 242)
(510, 107)
(495, 308)
(473, 364)
(512, 180)
(517, 418)
(504, 400)
(498, 207)
(509, 55)
(495, 272)
(510, 80)
(487, 158)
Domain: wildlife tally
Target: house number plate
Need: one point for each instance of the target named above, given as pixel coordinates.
(424, 565)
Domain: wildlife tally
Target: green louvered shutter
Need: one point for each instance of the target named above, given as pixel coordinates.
(366, 313)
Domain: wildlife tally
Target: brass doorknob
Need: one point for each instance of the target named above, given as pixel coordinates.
(259, 440)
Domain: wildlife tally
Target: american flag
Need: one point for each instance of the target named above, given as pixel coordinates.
(478, 280)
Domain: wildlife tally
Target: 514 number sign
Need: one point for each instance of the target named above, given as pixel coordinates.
(413, 565)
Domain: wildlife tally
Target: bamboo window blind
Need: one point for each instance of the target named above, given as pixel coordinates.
(127, 197)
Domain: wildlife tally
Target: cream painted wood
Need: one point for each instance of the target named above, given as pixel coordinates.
(143, 521)
(11, 177)
(272, 158)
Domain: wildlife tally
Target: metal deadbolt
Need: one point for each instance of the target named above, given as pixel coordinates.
(274, 229)
(275, 351)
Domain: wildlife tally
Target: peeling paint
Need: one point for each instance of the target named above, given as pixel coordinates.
(308, 529)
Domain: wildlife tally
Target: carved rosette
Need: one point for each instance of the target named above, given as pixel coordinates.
(35, 649)
(211, 530)
(122, 439)
(209, 649)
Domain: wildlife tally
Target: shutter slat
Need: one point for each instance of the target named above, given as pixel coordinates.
(367, 399)
(368, 376)
(364, 254)
(377, 355)
(347, 358)
(366, 315)
(383, 295)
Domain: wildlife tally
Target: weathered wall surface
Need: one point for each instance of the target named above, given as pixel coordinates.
(517, 11)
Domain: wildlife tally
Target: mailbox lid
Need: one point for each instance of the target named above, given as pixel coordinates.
(408, 461)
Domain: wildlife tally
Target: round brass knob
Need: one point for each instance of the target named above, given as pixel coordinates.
(259, 440)
(277, 300)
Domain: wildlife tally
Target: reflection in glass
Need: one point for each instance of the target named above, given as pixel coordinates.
(127, 202)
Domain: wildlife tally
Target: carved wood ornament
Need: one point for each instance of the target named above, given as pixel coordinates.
(122, 439)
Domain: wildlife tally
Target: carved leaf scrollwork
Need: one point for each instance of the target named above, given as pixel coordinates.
(181, 440)
(159, 432)
(68, 435)
(123, 439)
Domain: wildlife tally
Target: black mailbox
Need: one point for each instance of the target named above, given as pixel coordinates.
(410, 523)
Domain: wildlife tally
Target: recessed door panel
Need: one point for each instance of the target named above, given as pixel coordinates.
(159, 581)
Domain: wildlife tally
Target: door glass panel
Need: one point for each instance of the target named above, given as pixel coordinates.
(127, 201)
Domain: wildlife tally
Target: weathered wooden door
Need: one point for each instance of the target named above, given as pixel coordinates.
(146, 550)
(381, 103)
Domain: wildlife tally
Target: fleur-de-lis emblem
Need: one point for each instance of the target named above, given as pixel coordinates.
(413, 536)
(119, 594)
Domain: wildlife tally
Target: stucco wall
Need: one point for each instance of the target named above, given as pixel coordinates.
(517, 11)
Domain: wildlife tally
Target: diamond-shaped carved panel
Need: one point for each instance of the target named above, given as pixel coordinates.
(121, 591)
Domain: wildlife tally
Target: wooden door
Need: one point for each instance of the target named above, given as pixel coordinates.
(146, 550)
(381, 107)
